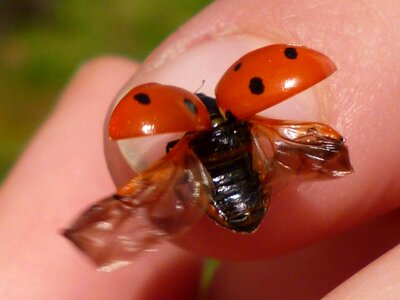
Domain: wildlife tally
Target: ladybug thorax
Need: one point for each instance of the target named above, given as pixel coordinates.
(228, 137)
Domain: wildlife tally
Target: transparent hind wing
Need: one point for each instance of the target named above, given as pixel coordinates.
(160, 203)
(263, 165)
(309, 150)
(112, 232)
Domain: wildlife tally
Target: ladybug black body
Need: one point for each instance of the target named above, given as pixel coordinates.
(238, 199)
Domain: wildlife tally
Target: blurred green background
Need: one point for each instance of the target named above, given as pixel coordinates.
(42, 42)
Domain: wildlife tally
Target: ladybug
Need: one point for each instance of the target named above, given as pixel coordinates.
(225, 164)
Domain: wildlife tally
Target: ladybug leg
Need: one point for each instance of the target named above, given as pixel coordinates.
(170, 145)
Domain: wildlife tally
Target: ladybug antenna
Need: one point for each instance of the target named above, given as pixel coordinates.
(201, 85)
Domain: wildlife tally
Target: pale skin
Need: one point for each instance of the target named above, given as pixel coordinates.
(301, 249)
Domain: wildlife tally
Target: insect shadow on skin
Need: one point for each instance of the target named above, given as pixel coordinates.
(221, 165)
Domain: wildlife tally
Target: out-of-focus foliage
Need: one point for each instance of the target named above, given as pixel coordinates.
(42, 42)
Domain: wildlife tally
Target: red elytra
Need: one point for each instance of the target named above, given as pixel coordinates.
(269, 75)
(154, 108)
(258, 80)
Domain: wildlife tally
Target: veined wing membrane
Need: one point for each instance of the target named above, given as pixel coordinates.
(160, 203)
(307, 149)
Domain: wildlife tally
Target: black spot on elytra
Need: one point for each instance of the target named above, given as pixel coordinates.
(256, 86)
(291, 53)
(142, 98)
(190, 105)
(237, 67)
